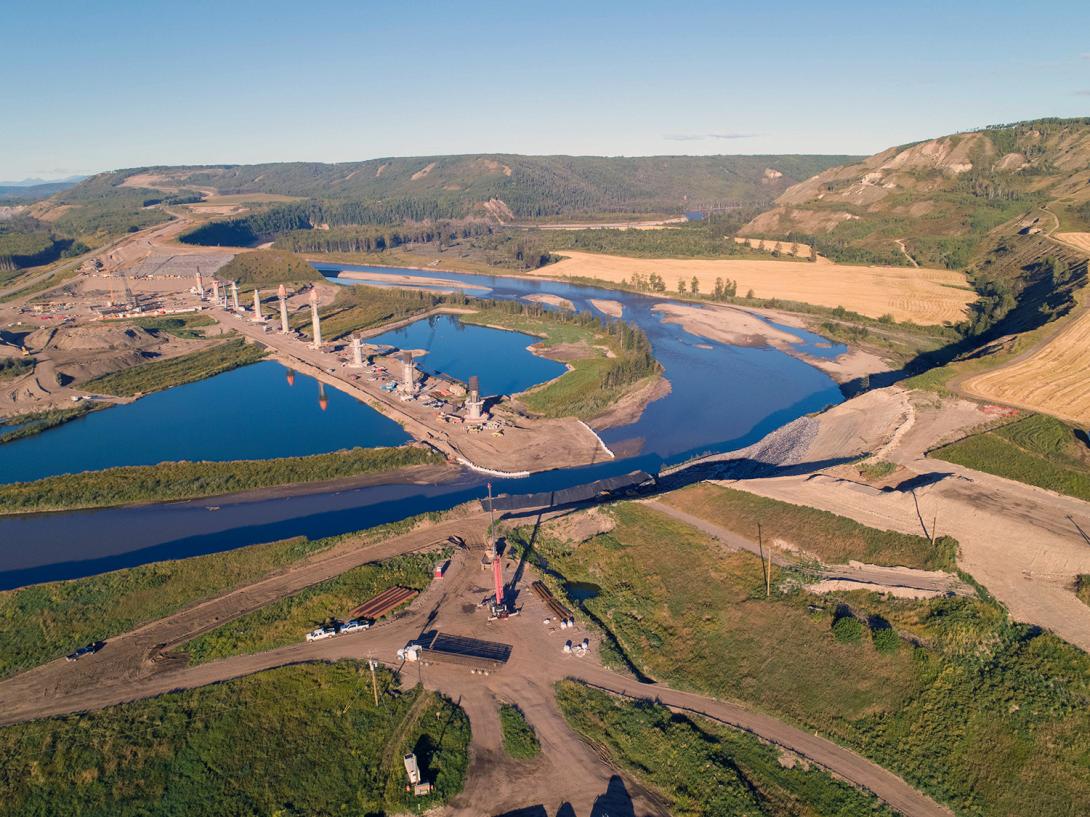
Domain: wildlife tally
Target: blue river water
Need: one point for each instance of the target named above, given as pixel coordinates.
(247, 413)
(722, 398)
(499, 358)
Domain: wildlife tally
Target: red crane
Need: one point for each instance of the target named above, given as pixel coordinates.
(497, 577)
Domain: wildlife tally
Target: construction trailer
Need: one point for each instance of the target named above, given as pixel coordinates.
(384, 603)
(412, 770)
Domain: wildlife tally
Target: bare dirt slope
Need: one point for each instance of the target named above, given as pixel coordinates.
(1023, 543)
(924, 296)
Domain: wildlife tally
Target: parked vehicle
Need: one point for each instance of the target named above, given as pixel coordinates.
(356, 625)
(87, 649)
(322, 632)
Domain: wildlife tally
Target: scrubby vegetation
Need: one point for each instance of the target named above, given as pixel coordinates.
(288, 620)
(595, 382)
(27, 425)
(162, 374)
(45, 621)
(187, 327)
(1082, 588)
(963, 675)
(703, 769)
(266, 267)
(875, 470)
(711, 237)
(831, 538)
(296, 740)
(1037, 450)
(12, 367)
(519, 738)
(26, 242)
(169, 481)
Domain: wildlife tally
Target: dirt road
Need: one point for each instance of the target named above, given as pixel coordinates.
(1023, 543)
(869, 577)
(843, 762)
(568, 771)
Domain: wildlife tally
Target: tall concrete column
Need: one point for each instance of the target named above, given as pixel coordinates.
(216, 291)
(283, 294)
(200, 286)
(357, 353)
(234, 294)
(474, 403)
(258, 317)
(408, 374)
(315, 324)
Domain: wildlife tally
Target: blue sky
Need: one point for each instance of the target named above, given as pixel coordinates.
(99, 85)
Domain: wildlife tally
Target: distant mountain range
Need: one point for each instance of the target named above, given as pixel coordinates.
(70, 180)
(503, 186)
(29, 191)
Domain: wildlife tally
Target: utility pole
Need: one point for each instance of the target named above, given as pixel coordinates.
(766, 571)
(768, 575)
(374, 681)
(934, 529)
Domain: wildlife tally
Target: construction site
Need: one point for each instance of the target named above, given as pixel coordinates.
(479, 431)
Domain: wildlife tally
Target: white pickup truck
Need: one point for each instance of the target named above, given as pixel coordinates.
(352, 626)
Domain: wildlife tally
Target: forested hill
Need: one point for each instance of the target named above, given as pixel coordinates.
(518, 187)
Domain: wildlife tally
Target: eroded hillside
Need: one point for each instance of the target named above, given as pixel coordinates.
(942, 202)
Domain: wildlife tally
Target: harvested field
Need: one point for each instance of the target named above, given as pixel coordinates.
(770, 244)
(923, 296)
(1080, 240)
(1053, 380)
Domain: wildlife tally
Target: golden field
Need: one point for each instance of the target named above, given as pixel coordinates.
(1054, 380)
(923, 296)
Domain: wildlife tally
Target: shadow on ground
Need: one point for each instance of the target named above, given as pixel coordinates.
(614, 802)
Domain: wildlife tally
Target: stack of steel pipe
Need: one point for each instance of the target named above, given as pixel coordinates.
(385, 602)
(559, 610)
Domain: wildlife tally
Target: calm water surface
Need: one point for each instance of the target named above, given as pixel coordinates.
(499, 358)
(247, 413)
(722, 398)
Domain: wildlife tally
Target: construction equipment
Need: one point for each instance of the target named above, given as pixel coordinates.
(501, 607)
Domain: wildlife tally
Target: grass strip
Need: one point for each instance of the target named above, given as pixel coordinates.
(519, 738)
(169, 481)
(291, 741)
(162, 374)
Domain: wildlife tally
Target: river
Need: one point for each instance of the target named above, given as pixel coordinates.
(722, 398)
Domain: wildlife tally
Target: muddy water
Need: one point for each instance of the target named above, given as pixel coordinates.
(722, 398)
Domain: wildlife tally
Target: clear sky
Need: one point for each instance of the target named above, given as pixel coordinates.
(91, 86)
